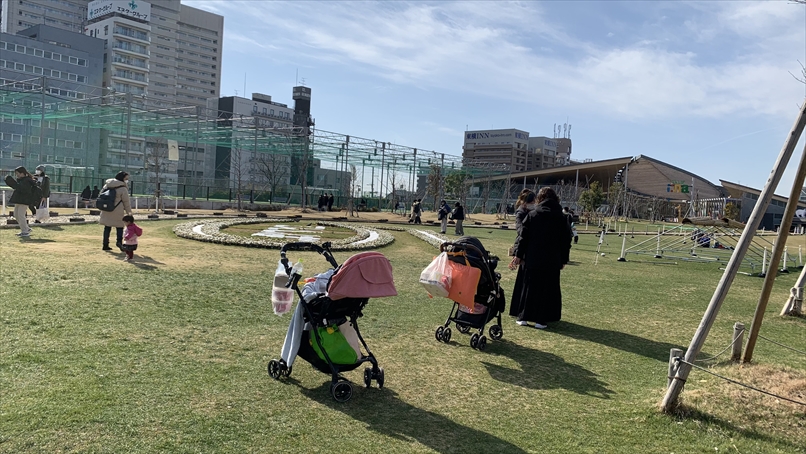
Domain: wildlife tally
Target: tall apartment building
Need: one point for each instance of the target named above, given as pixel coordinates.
(498, 147)
(67, 63)
(17, 15)
(184, 43)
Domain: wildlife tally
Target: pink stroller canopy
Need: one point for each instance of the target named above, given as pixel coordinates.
(364, 275)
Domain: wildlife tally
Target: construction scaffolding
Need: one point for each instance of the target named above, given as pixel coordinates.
(122, 131)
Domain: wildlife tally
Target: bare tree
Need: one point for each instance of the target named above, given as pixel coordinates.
(274, 168)
(434, 182)
(156, 161)
(238, 172)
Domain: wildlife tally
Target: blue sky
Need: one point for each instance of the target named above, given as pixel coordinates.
(706, 86)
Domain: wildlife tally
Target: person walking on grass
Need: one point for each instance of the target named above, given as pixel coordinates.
(442, 216)
(130, 234)
(23, 197)
(541, 250)
(114, 218)
(458, 215)
(43, 181)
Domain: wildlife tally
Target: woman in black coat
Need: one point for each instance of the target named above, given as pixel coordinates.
(541, 250)
(524, 204)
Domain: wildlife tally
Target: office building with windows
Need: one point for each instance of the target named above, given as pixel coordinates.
(245, 122)
(184, 43)
(507, 147)
(63, 66)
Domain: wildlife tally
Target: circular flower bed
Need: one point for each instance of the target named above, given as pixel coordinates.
(209, 230)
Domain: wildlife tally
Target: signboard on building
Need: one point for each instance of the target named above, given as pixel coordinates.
(136, 9)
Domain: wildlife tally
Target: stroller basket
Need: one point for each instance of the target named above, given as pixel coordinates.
(324, 328)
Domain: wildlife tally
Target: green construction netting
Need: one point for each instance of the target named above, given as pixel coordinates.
(134, 116)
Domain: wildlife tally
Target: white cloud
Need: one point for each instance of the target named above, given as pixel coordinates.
(501, 50)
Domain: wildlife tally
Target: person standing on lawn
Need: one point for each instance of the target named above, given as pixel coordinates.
(114, 218)
(526, 202)
(442, 216)
(23, 196)
(458, 215)
(43, 181)
(541, 250)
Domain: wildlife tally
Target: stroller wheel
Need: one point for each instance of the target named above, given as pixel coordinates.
(446, 335)
(464, 329)
(438, 332)
(342, 391)
(482, 343)
(274, 369)
(474, 341)
(379, 378)
(368, 377)
(496, 332)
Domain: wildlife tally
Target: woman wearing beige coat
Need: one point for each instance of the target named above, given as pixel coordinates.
(114, 219)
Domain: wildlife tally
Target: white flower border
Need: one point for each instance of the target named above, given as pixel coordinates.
(209, 230)
(432, 238)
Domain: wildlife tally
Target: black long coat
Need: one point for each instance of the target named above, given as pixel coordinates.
(543, 245)
(544, 241)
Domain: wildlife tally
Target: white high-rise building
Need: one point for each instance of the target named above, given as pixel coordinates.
(183, 44)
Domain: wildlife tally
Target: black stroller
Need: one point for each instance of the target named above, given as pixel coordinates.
(324, 325)
(489, 299)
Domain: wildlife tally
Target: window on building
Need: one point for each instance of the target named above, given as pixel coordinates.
(264, 111)
(106, 30)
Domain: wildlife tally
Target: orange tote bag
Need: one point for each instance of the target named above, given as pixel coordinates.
(464, 280)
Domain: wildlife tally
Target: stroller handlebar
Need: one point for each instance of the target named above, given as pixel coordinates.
(324, 249)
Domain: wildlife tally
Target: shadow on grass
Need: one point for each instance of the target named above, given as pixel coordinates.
(28, 239)
(684, 412)
(51, 227)
(541, 370)
(616, 339)
(145, 262)
(383, 412)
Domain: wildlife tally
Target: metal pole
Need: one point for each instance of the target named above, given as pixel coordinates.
(347, 167)
(380, 183)
(42, 121)
(778, 250)
(128, 127)
(676, 387)
(195, 151)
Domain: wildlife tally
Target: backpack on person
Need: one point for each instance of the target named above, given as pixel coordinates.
(106, 200)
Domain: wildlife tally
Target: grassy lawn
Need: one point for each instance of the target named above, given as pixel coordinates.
(169, 353)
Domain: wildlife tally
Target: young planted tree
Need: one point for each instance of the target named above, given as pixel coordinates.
(732, 211)
(457, 184)
(591, 199)
(615, 198)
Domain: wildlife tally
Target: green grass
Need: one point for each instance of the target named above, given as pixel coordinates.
(168, 354)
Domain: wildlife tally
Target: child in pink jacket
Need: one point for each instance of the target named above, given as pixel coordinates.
(130, 234)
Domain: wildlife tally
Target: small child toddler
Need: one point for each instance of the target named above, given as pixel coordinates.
(130, 234)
